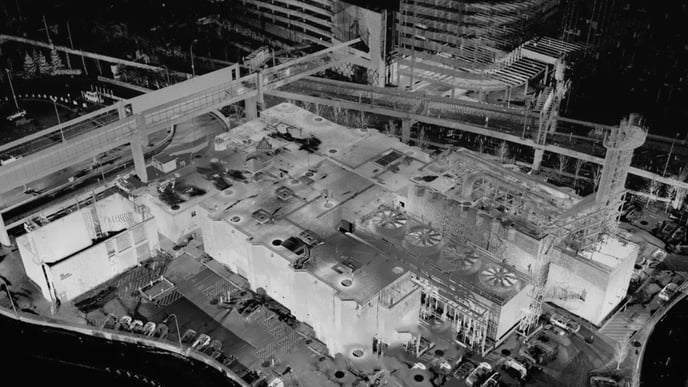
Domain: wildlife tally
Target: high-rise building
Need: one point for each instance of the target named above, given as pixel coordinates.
(469, 33)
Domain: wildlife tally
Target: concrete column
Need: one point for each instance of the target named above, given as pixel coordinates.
(251, 108)
(406, 125)
(120, 111)
(4, 237)
(137, 144)
(260, 80)
(537, 159)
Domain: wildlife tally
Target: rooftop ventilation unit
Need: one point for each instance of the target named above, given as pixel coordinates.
(389, 158)
(462, 261)
(389, 222)
(424, 237)
(261, 216)
(284, 193)
(498, 279)
(389, 218)
(347, 266)
(309, 237)
(300, 248)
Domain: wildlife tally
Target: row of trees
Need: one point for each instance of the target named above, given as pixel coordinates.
(36, 64)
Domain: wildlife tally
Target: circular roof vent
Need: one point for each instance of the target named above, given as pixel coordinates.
(498, 278)
(424, 237)
(464, 261)
(389, 219)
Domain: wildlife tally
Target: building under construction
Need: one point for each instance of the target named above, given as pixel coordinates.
(300, 24)
(367, 239)
(470, 33)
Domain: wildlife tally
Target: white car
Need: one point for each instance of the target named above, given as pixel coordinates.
(564, 323)
(17, 115)
(478, 374)
(668, 292)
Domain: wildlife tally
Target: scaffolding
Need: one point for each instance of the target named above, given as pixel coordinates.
(580, 227)
(470, 32)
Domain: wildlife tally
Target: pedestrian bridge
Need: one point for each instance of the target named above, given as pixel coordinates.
(513, 125)
(39, 155)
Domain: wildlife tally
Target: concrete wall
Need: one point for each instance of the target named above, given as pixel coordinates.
(87, 269)
(32, 264)
(618, 283)
(60, 238)
(341, 324)
(227, 245)
(371, 28)
(173, 92)
(511, 313)
(172, 224)
(566, 288)
(570, 280)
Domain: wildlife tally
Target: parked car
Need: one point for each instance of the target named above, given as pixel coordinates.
(161, 331)
(538, 352)
(188, 336)
(603, 381)
(515, 368)
(137, 326)
(492, 381)
(564, 323)
(464, 369)
(201, 342)
(668, 292)
(125, 323)
(148, 328)
(479, 374)
(21, 113)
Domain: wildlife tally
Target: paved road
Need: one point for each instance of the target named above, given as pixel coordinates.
(206, 126)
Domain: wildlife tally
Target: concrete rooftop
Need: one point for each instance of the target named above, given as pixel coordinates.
(279, 190)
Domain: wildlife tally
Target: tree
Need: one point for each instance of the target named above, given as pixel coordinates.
(596, 175)
(576, 169)
(481, 144)
(30, 68)
(55, 60)
(503, 151)
(562, 163)
(652, 188)
(43, 65)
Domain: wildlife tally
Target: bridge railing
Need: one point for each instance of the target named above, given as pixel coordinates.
(161, 115)
(506, 120)
(80, 126)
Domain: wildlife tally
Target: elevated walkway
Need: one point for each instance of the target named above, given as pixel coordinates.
(140, 116)
(521, 66)
(504, 123)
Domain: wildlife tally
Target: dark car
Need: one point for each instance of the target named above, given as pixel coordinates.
(464, 369)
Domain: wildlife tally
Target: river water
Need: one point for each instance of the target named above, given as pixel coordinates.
(666, 360)
(33, 356)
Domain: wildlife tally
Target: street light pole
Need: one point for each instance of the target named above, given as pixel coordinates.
(9, 295)
(57, 114)
(670, 152)
(14, 96)
(167, 73)
(193, 67)
(176, 324)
